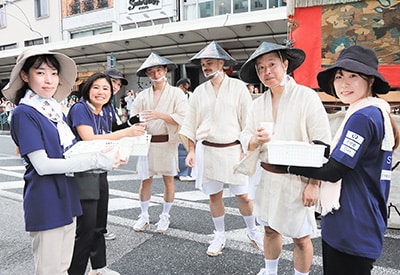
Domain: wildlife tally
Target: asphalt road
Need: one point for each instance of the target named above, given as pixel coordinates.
(181, 250)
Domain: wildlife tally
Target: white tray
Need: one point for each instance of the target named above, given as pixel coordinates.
(129, 146)
(295, 153)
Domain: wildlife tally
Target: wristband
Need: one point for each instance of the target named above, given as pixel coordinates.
(288, 169)
(129, 123)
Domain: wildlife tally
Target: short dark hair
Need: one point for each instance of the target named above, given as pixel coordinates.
(183, 81)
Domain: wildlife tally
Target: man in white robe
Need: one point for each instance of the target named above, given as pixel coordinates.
(211, 129)
(284, 204)
(162, 107)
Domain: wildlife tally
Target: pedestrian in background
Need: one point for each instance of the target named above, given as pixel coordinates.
(38, 82)
(211, 130)
(354, 199)
(284, 204)
(91, 120)
(162, 107)
(184, 173)
(129, 98)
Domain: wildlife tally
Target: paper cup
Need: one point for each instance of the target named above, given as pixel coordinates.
(141, 117)
(268, 126)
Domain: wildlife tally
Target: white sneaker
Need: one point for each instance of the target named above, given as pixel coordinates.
(263, 271)
(186, 178)
(256, 238)
(103, 271)
(109, 236)
(163, 223)
(216, 245)
(142, 223)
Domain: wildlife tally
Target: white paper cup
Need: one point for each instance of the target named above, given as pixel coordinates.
(141, 117)
(268, 127)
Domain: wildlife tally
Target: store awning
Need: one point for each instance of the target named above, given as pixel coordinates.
(178, 41)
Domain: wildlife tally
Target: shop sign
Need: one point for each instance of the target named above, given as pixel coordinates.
(143, 5)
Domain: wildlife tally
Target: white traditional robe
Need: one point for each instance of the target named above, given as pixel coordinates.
(162, 158)
(301, 117)
(217, 118)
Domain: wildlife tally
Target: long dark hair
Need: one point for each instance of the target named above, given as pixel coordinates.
(85, 91)
(35, 62)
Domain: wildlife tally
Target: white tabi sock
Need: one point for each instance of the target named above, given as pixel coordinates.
(299, 273)
(219, 223)
(271, 266)
(167, 207)
(144, 206)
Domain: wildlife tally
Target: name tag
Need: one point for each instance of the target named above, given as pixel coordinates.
(386, 175)
(351, 143)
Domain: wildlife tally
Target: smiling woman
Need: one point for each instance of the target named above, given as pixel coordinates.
(92, 118)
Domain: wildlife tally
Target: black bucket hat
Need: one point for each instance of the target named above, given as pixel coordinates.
(155, 60)
(248, 70)
(213, 51)
(356, 59)
(114, 73)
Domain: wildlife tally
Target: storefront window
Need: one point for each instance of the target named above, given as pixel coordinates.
(206, 9)
(276, 3)
(189, 10)
(258, 5)
(2, 16)
(222, 7)
(240, 6)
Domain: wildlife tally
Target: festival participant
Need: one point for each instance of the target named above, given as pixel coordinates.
(162, 107)
(354, 198)
(216, 116)
(284, 204)
(91, 120)
(38, 82)
(184, 173)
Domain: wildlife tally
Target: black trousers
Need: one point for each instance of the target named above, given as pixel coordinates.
(90, 229)
(336, 262)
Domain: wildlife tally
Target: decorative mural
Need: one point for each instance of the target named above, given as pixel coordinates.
(71, 7)
(374, 24)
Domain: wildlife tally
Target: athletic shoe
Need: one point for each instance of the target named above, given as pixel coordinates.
(142, 223)
(263, 271)
(109, 236)
(217, 244)
(186, 178)
(256, 238)
(103, 271)
(163, 223)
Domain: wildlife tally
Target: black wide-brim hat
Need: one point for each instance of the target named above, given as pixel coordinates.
(248, 71)
(356, 59)
(213, 51)
(155, 60)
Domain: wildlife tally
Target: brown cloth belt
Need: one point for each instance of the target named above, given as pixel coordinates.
(212, 144)
(159, 138)
(265, 166)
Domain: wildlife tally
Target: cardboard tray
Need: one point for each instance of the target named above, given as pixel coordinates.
(295, 153)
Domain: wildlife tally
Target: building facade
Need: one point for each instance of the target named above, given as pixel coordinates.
(122, 33)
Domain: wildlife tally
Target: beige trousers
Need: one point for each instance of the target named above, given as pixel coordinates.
(52, 249)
